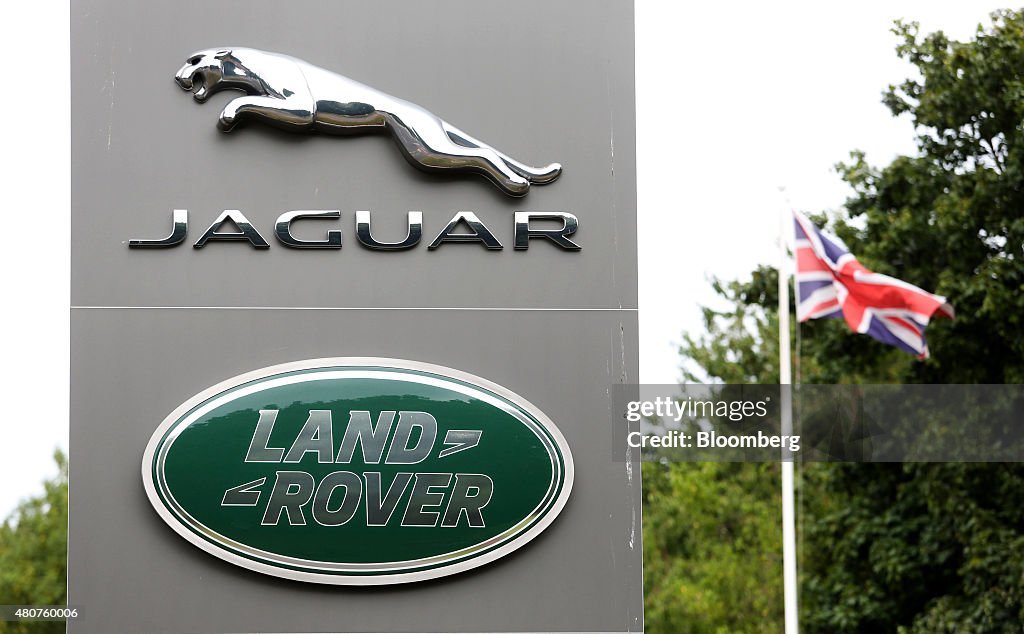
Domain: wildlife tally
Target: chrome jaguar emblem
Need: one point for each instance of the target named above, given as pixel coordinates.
(297, 96)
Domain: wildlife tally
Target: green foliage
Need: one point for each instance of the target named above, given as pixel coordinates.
(915, 548)
(33, 553)
(934, 547)
(712, 548)
(952, 218)
(739, 345)
(907, 548)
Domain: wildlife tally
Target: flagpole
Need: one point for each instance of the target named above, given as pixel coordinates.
(789, 582)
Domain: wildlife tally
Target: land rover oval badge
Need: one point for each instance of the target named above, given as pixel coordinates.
(357, 471)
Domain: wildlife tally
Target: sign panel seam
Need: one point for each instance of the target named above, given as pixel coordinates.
(466, 308)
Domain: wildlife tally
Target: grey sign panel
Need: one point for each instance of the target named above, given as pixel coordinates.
(543, 82)
(134, 574)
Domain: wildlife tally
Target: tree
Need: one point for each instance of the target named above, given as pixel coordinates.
(33, 552)
(713, 531)
(915, 548)
(712, 548)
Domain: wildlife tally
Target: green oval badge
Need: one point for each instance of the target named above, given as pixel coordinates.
(358, 471)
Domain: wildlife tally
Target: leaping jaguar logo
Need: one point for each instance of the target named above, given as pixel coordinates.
(295, 95)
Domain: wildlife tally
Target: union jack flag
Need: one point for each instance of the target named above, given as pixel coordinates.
(830, 282)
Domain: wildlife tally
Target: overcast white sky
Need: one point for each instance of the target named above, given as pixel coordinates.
(734, 100)
(762, 95)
